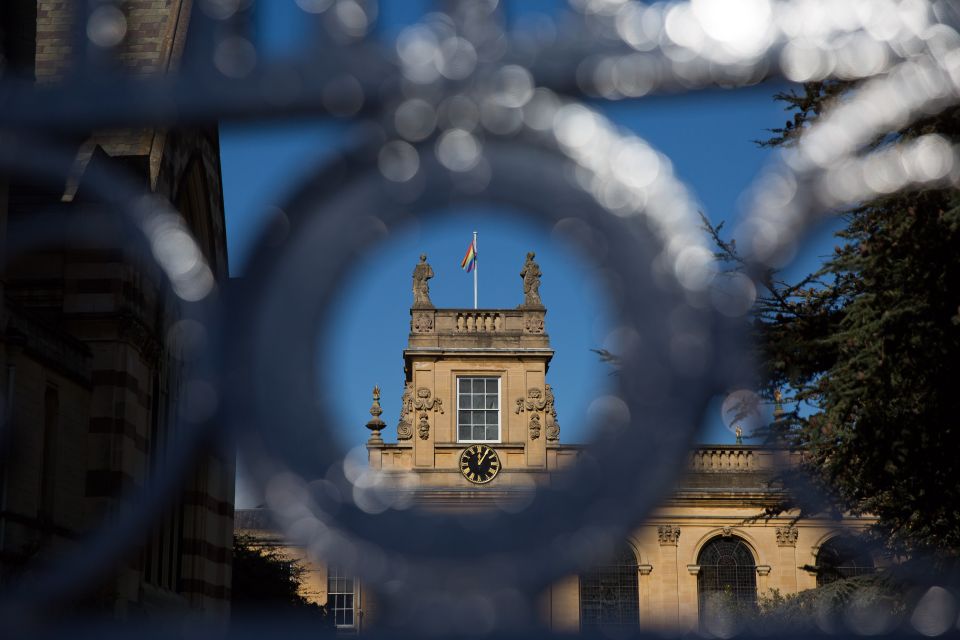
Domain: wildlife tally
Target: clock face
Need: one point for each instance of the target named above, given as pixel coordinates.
(479, 463)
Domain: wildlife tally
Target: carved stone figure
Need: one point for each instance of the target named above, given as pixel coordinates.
(531, 283)
(553, 426)
(405, 428)
(421, 290)
(424, 429)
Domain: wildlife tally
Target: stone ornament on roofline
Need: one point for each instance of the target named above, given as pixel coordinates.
(421, 289)
(531, 283)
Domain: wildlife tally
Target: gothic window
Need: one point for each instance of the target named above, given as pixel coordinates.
(609, 594)
(478, 409)
(840, 558)
(727, 580)
(341, 598)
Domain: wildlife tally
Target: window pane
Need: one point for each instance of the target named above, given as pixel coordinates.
(464, 401)
(492, 432)
(464, 417)
(492, 385)
(463, 385)
(491, 418)
(463, 432)
(479, 433)
(478, 385)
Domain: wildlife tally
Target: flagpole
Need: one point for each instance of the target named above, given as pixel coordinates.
(476, 266)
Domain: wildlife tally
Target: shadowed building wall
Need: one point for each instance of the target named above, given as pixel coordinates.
(92, 381)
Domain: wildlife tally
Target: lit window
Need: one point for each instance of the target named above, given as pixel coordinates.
(478, 409)
(341, 597)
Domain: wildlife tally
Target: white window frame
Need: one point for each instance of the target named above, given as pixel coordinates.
(338, 573)
(473, 376)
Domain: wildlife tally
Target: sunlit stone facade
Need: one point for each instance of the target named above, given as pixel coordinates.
(482, 376)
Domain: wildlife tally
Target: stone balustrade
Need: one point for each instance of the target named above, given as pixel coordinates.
(479, 322)
(473, 321)
(709, 459)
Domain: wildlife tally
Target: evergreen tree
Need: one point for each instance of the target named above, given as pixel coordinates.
(265, 579)
(872, 342)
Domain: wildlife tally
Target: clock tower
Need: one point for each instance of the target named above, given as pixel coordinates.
(477, 409)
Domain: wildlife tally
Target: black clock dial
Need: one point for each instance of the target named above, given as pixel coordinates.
(479, 463)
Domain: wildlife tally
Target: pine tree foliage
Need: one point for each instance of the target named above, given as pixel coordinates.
(266, 579)
(872, 342)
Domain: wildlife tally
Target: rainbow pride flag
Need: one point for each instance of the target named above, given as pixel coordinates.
(469, 261)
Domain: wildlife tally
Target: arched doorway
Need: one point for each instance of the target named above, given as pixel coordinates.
(727, 580)
(841, 557)
(609, 593)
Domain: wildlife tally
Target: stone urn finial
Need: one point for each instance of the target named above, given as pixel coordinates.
(375, 424)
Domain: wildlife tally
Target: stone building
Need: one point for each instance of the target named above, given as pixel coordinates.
(479, 421)
(90, 381)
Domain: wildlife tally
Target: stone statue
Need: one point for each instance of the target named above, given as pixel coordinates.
(421, 290)
(531, 283)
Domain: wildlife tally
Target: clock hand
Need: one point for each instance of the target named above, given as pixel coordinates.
(485, 454)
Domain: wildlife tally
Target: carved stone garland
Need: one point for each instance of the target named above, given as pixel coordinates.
(533, 322)
(422, 322)
(405, 428)
(533, 403)
(553, 426)
(424, 403)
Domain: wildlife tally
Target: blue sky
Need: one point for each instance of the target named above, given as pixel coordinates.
(708, 136)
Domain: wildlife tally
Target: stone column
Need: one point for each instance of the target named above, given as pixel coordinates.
(644, 584)
(787, 558)
(668, 535)
(763, 572)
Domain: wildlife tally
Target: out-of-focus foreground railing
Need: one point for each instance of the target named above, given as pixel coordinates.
(458, 109)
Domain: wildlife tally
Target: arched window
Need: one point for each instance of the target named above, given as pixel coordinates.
(841, 557)
(609, 594)
(728, 576)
